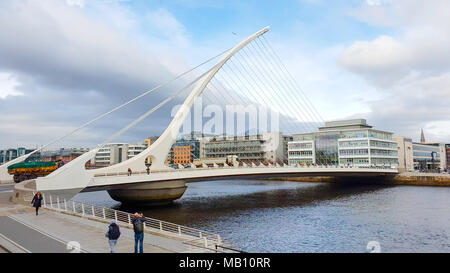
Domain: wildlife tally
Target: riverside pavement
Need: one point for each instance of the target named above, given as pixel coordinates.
(52, 231)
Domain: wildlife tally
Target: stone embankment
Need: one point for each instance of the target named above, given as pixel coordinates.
(407, 178)
(422, 179)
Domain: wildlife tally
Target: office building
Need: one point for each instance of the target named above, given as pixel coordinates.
(64, 154)
(114, 153)
(405, 153)
(346, 143)
(421, 156)
(182, 155)
(429, 156)
(10, 154)
(265, 147)
(447, 151)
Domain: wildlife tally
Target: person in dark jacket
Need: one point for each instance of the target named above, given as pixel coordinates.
(37, 200)
(138, 226)
(113, 234)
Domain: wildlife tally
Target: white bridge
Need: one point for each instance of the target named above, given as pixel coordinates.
(164, 183)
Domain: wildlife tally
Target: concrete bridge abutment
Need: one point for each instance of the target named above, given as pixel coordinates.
(151, 193)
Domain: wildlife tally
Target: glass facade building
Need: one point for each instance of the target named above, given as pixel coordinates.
(428, 156)
(447, 153)
(347, 143)
(265, 147)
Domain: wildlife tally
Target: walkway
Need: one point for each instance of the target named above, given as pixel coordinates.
(51, 231)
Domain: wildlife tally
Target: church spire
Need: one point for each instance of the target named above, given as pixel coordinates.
(422, 136)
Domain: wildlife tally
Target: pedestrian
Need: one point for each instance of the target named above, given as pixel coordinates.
(148, 170)
(129, 172)
(37, 199)
(113, 234)
(138, 226)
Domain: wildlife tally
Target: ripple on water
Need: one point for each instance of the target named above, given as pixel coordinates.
(271, 216)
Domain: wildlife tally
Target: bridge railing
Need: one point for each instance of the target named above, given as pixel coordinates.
(256, 166)
(191, 236)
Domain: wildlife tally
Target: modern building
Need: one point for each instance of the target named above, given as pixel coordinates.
(114, 153)
(184, 150)
(405, 153)
(429, 156)
(110, 154)
(64, 154)
(345, 142)
(447, 151)
(135, 149)
(150, 140)
(286, 140)
(421, 156)
(265, 147)
(10, 154)
(182, 155)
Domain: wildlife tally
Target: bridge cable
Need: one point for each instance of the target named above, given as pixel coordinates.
(262, 94)
(310, 106)
(246, 86)
(276, 80)
(274, 83)
(145, 115)
(293, 81)
(254, 98)
(274, 87)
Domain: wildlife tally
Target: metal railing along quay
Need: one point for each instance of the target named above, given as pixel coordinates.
(190, 236)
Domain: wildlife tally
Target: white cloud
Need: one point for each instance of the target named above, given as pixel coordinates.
(373, 2)
(164, 22)
(79, 3)
(410, 67)
(8, 86)
(72, 64)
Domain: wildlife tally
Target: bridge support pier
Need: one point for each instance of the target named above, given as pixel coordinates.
(151, 193)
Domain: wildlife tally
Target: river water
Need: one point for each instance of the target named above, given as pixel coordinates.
(274, 216)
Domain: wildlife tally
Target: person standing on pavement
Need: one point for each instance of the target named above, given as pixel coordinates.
(36, 202)
(113, 234)
(138, 226)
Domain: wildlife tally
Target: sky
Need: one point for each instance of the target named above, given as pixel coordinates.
(63, 62)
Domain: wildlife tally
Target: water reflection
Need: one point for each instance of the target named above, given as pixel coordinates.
(203, 203)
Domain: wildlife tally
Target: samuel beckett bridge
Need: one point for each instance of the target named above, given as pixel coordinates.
(249, 73)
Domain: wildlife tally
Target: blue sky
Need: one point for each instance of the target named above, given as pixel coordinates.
(383, 60)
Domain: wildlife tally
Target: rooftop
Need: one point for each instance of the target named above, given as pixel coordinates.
(345, 124)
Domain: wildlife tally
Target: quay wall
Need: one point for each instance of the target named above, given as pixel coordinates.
(422, 179)
(411, 179)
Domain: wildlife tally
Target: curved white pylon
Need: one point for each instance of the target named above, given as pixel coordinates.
(157, 151)
(4, 175)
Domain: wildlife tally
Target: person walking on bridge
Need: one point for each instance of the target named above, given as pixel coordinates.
(129, 172)
(36, 202)
(138, 226)
(113, 234)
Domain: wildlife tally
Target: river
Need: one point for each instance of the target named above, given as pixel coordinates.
(274, 216)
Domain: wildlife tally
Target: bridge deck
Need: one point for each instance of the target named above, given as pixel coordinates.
(111, 180)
